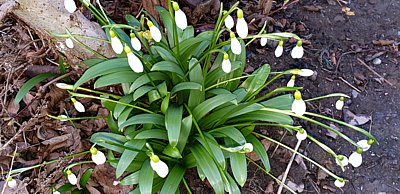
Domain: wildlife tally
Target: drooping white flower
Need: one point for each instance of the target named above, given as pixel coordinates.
(297, 51)
(55, 191)
(305, 72)
(263, 41)
(180, 16)
(339, 183)
(98, 157)
(71, 178)
(355, 158)
(63, 118)
(12, 183)
(241, 25)
(235, 45)
(135, 42)
(70, 6)
(78, 105)
(64, 86)
(229, 23)
(279, 49)
(301, 135)
(298, 105)
(69, 42)
(154, 31)
(160, 167)
(339, 104)
(291, 81)
(248, 147)
(226, 64)
(365, 144)
(134, 62)
(116, 43)
(342, 159)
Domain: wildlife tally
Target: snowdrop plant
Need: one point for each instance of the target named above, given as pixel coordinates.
(187, 103)
(12, 183)
(71, 177)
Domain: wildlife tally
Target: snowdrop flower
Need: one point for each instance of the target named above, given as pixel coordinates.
(98, 157)
(339, 183)
(135, 42)
(355, 158)
(12, 183)
(78, 105)
(303, 72)
(342, 160)
(297, 51)
(291, 81)
(180, 16)
(63, 118)
(339, 104)
(159, 166)
(56, 192)
(263, 41)
(241, 25)
(69, 43)
(116, 43)
(365, 144)
(301, 135)
(72, 177)
(279, 49)
(134, 62)
(154, 31)
(64, 86)
(229, 23)
(70, 6)
(247, 147)
(226, 64)
(298, 106)
(235, 44)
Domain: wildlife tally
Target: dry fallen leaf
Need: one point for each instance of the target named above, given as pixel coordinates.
(355, 120)
(313, 8)
(296, 187)
(346, 10)
(383, 42)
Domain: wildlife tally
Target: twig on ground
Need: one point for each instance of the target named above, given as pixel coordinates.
(277, 146)
(346, 82)
(288, 167)
(9, 172)
(373, 71)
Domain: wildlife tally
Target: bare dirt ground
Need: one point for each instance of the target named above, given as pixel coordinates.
(335, 46)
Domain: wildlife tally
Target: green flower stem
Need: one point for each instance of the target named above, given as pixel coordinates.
(255, 124)
(259, 33)
(269, 174)
(186, 186)
(78, 36)
(109, 100)
(75, 119)
(98, 92)
(176, 41)
(294, 151)
(102, 11)
(21, 170)
(121, 26)
(275, 36)
(327, 96)
(358, 129)
(76, 164)
(84, 46)
(227, 81)
(95, 12)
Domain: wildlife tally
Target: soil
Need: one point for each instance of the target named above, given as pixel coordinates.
(335, 44)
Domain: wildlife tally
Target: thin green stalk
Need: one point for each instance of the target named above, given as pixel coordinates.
(175, 31)
(300, 154)
(76, 164)
(186, 186)
(75, 119)
(259, 33)
(84, 46)
(98, 92)
(255, 124)
(327, 96)
(227, 81)
(109, 100)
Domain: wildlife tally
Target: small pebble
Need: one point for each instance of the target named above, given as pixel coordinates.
(377, 61)
(354, 93)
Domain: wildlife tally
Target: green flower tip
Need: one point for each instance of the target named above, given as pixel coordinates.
(370, 141)
(127, 49)
(232, 35)
(112, 34)
(154, 158)
(297, 95)
(175, 6)
(341, 98)
(132, 35)
(299, 43)
(149, 23)
(10, 178)
(69, 172)
(73, 100)
(226, 56)
(93, 150)
(224, 12)
(239, 13)
(293, 77)
(359, 150)
(280, 43)
(301, 130)
(340, 157)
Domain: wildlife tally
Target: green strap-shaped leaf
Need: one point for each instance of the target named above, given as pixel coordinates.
(283, 102)
(144, 119)
(253, 83)
(260, 151)
(207, 106)
(173, 180)
(185, 132)
(146, 175)
(263, 115)
(109, 141)
(131, 179)
(231, 133)
(165, 54)
(116, 78)
(30, 84)
(124, 116)
(238, 72)
(167, 21)
(141, 91)
(187, 33)
(186, 86)
(128, 155)
(103, 68)
(215, 149)
(92, 62)
(85, 177)
(173, 120)
(152, 134)
(147, 78)
(239, 167)
(112, 124)
(208, 167)
(119, 107)
(195, 97)
(131, 20)
(168, 66)
(232, 187)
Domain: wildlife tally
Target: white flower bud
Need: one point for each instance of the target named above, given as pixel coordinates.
(344, 160)
(70, 6)
(305, 72)
(364, 144)
(71, 178)
(154, 31)
(98, 157)
(12, 183)
(298, 105)
(339, 104)
(339, 183)
(263, 41)
(297, 52)
(235, 45)
(248, 147)
(135, 42)
(116, 45)
(241, 25)
(279, 49)
(226, 64)
(78, 105)
(64, 86)
(160, 167)
(56, 192)
(63, 118)
(301, 135)
(229, 23)
(291, 81)
(355, 159)
(180, 19)
(134, 62)
(69, 43)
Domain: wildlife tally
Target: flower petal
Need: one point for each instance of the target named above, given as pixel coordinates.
(339, 104)
(278, 51)
(301, 136)
(355, 159)
(339, 183)
(99, 158)
(72, 179)
(134, 62)
(70, 6)
(297, 52)
(79, 106)
(136, 43)
(180, 19)
(290, 83)
(344, 161)
(116, 45)
(299, 107)
(263, 41)
(69, 43)
(12, 183)
(155, 33)
(241, 28)
(235, 46)
(364, 144)
(229, 23)
(160, 168)
(306, 72)
(226, 66)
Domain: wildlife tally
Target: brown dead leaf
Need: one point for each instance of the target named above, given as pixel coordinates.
(312, 8)
(355, 120)
(12, 108)
(296, 187)
(265, 6)
(299, 160)
(270, 188)
(105, 176)
(59, 142)
(346, 10)
(383, 42)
